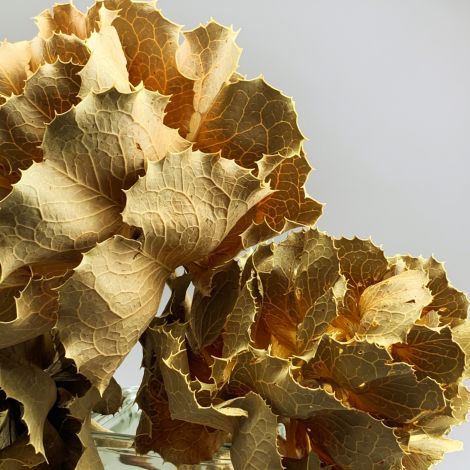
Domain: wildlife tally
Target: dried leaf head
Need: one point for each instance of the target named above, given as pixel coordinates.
(125, 154)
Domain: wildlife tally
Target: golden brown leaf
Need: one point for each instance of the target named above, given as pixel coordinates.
(75, 197)
(35, 311)
(51, 90)
(175, 440)
(288, 207)
(150, 42)
(21, 454)
(58, 47)
(389, 308)
(362, 374)
(208, 312)
(209, 56)
(14, 67)
(247, 120)
(33, 388)
(271, 377)
(300, 284)
(249, 419)
(90, 458)
(461, 335)
(285, 208)
(106, 67)
(254, 439)
(187, 203)
(237, 328)
(426, 450)
(352, 439)
(363, 264)
(62, 18)
(432, 353)
(111, 400)
(450, 304)
(106, 305)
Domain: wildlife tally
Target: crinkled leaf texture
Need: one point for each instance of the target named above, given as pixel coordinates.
(128, 150)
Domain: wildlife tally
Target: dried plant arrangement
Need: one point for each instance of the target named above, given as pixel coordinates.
(126, 154)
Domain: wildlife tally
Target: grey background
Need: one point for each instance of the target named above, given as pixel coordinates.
(382, 88)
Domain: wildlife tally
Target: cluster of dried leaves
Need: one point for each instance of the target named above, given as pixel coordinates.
(125, 155)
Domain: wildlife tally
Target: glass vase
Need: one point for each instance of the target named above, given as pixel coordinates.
(116, 445)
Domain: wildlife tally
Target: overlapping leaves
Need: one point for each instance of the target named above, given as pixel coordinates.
(126, 153)
(338, 393)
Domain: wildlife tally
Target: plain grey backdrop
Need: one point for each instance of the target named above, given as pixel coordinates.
(382, 88)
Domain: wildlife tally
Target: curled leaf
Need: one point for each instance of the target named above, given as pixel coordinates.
(352, 439)
(106, 67)
(247, 120)
(106, 305)
(209, 56)
(433, 354)
(300, 278)
(52, 90)
(384, 389)
(389, 308)
(14, 67)
(74, 198)
(272, 378)
(187, 204)
(33, 388)
(149, 42)
(35, 311)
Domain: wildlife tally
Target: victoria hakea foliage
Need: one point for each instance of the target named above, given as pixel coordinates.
(125, 154)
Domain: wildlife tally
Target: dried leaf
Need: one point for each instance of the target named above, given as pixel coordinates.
(284, 208)
(288, 207)
(236, 331)
(62, 18)
(58, 47)
(248, 419)
(14, 67)
(254, 439)
(74, 198)
(271, 377)
(433, 354)
(158, 429)
(384, 389)
(150, 42)
(35, 311)
(175, 440)
(111, 400)
(209, 56)
(51, 90)
(363, 264)
(461, 335)
(33, 388)
(429, 450)
(389, 308)
(247, 120)
(21, 454)
(90, 457)
(187, 204)
(296, 275)
(106, 67)
(352, 439)
(448, 302)
(106, 305)
(208, 312)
